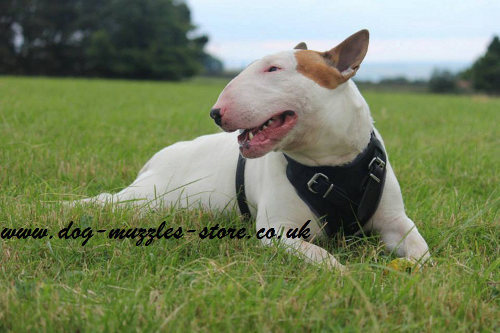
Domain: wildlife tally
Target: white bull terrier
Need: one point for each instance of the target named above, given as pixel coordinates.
(300, 103)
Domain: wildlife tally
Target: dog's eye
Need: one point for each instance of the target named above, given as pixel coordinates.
(272, 69)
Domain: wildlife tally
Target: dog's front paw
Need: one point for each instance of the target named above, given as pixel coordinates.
(333, 265)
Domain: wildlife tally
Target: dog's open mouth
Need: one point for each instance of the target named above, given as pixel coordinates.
(257, 141)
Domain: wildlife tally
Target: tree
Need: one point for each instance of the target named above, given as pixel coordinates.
(442, 81)
(212, 65)
(485, 72)
(113, 38)
(144, 39)
(7, 36)
(40, 37)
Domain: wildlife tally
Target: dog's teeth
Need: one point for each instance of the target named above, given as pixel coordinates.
(264, 127)
(269, 122)
(250, 135)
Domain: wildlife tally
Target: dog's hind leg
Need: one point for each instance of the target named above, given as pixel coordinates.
(136, 193)
(147, 191)
(186, 174)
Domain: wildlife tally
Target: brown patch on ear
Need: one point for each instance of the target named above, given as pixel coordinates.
(334, 67)
(300, 46)
(348, 55)
(313, 65)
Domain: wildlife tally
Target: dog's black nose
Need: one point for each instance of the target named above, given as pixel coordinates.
(215, 115)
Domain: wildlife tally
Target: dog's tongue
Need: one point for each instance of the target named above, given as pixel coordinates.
(259, 140)
(264, 134)
(260, 135)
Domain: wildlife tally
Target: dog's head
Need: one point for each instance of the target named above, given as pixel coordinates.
(276, 101)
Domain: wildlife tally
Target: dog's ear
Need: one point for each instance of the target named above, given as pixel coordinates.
(300, 46)
(348, 55)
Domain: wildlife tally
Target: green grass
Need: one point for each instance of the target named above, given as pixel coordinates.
(65, 139)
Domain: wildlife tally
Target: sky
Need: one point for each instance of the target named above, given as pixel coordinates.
(406, 37)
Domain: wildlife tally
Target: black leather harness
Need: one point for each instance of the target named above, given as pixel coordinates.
(240, 187)
(343, 197)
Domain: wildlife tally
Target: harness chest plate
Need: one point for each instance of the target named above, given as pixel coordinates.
(343, 197)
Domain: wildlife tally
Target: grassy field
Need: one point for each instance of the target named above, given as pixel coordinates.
(65, 139)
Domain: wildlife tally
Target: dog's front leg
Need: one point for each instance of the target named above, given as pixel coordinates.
(311, 253)
(398, 232)
(277, 206)
(401, 236)
(297, 246)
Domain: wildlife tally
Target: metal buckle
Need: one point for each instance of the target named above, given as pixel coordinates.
(379, 162)
(313, 181)
(375, 178)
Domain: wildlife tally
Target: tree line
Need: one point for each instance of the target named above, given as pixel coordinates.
(483, 75)
(151, 39)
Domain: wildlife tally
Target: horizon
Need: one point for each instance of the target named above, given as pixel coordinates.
(409, 36)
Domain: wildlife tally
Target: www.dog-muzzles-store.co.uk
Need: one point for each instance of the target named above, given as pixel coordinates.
(146, 236)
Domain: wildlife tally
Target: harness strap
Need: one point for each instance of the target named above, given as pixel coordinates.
(374, 186)
(240, 188)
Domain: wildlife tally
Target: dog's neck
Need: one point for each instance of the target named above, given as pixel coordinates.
(330, 144)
